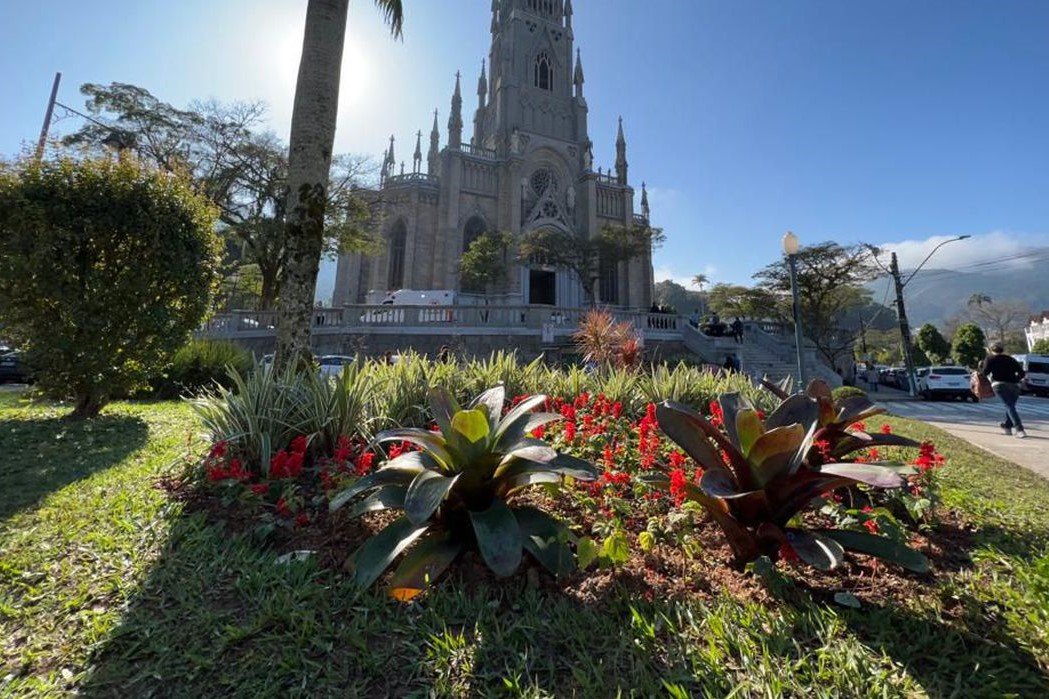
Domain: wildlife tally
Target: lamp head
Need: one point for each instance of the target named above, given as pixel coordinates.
(791, 244)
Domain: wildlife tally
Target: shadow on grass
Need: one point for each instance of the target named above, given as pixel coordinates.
(972, 656)
(217, 616)
(45, 455)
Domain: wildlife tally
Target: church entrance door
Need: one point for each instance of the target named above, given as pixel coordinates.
(542, 287)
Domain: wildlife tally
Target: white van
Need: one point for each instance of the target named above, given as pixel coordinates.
(1036, 366)
(411, 297)
(408, 297)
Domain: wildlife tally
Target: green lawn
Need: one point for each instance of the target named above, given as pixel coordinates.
(107, 588)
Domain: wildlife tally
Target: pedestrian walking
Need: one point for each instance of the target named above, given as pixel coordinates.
(737, 329)
(1005, 373)
(872, 378)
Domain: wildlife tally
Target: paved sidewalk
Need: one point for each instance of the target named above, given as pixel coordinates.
(978, 424)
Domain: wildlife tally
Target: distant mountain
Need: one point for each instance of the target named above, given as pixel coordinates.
(934, 295)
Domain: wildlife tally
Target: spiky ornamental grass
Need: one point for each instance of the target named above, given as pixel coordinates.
(454, 491)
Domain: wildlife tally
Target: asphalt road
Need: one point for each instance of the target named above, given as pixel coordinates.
(978, 424)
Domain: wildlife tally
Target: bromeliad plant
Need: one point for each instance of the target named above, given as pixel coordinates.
(838, 422)
(454, 491)
(756, 482)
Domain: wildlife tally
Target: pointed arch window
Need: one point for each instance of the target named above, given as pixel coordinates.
(396, 252)
(609, 282)
(364, 281)
(544, 73)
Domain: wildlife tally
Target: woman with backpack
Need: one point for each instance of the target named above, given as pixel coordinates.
(1005, 374)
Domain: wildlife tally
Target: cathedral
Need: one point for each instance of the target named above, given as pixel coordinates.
(527, 165)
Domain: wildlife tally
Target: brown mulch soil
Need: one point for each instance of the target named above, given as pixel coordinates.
(664, 572)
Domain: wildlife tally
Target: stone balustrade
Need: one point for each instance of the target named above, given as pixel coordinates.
(552, 323)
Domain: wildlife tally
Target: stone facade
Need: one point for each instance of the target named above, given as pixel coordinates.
(527, 165)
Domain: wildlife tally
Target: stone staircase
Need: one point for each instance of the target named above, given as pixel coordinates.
(761, 355)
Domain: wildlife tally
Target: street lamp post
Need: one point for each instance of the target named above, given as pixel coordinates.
(791, 246)
(901, 310)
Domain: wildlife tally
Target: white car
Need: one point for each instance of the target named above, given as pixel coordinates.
(332, 364)
(1036, 368)
(945, 382)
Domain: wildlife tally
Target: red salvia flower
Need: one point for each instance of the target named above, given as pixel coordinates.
(260, 489)
(364, 463)
(299, 444)
(678, 483)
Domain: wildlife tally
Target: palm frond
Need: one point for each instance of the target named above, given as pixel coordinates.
(393, 14)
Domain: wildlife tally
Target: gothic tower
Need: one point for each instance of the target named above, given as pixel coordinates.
(532, 73)
(527, 164)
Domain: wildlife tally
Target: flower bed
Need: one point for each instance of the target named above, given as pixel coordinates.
(656, 541)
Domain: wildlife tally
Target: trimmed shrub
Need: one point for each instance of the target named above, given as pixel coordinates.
(842, 392)
(106, 267)
(200, 364)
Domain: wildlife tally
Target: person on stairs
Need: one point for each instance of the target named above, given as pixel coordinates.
(1005, 374)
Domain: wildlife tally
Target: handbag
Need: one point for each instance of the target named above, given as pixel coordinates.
(981, 386)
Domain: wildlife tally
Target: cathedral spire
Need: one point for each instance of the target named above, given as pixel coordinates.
(578, 78)
(621, 164)
(417, 158)
(482, 93)
(388, 162)
(568, 14)
(455, 119)
(645, 210)
(435, 141)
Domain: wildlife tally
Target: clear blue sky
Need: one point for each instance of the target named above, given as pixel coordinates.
(886, 121)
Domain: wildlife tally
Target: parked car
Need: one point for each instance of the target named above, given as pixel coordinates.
(332, 364)
(945, 382)
(13, 369)
(1036, 368)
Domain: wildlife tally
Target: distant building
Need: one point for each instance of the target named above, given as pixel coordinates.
(527, 165)
(1037, 329)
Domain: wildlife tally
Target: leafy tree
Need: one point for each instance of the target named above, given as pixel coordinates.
(933, 344)
(830, 285)
(106, 267)
(730, 300)
(311, 143)
(242, 170)
(485, 264)
(1041, 347)
(673, 295)
(998, 318)
(585, 256)
(969, 345)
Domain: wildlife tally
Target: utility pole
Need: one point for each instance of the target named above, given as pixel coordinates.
(47, 118)
(905, 330)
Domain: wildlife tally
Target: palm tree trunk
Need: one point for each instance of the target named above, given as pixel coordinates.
(309, 162)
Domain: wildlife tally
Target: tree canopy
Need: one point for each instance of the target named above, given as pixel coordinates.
(830, 285)
(933, 343)
(969, 346)
(585, 256)
(239, 167)
(485, 264)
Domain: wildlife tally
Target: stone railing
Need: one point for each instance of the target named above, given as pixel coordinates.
(478, 151)
(410, 177)
(550, 322)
